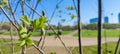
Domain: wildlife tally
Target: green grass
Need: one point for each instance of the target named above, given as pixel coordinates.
(49, 33)
(6, 49)
(93, 49)
(93, 33)
(5, 46)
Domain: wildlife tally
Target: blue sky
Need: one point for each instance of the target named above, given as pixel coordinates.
(89, 9)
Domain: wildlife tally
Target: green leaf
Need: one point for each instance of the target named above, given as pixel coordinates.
(22, 43)
(70, 8)
(73, 16)
(39, 0)
(36, 24)
(4, 3)
(29, 35)
(26, 20)
(22, 29)
(39, 23)
(24, 36)
(29, 42)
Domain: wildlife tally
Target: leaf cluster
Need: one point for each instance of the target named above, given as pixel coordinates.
(37, 24)
(24, 37)
(4, 3)
(70, 8)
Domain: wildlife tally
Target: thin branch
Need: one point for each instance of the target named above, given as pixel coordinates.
(9, 18)
(60, 39)
(54, 11)
(16, 6)
(35, 8)
(32, 8)
(40, 50)
(75, 6)
(22, 5)
(44, 40)
(39, 41)
(117, 46)
(12, 13)
(12, 42)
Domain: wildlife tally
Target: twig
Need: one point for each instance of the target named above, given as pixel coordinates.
(39, 41)
(40, 50)
(60, 39)
(35, 8)
(12, 13)
(54, 11)
(9, 18)
(16, 6)
(117, 46)
(32, 8)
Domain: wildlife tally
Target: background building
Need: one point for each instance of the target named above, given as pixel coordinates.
(119, 17)
(106, 20)
(94, 20)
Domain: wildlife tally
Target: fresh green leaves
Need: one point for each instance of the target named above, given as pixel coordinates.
(70, 8)
(40, 23)
(26, 20)
(24, 37)
(37, 24)
(3, 3)
(73, 16)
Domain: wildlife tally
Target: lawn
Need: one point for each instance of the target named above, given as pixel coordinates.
(49, 33)
(5, 46)
(93, 33)
(93, 49)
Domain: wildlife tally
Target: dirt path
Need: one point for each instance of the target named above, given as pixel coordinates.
(52, 44)
(68, 40)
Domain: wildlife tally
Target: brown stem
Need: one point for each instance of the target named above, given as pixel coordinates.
(32, 8)
(23, 50)
(39, 41)
(12, 13)
(12, 42)
(40, 50)
(43, 42)
(9, 18)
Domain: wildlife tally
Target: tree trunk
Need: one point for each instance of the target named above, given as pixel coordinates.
(99, 26)
(79, 28)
